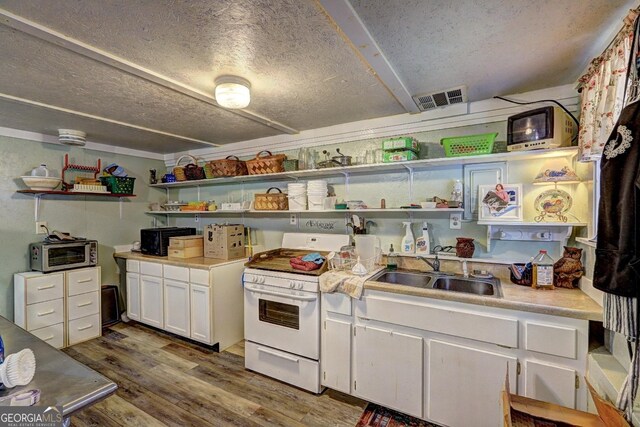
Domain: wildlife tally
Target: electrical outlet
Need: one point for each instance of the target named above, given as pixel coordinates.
(293, 219)
(41, 227)
(455, 221)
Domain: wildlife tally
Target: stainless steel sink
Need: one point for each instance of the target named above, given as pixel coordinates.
(468, 286)
(418, 280)
(443, 282)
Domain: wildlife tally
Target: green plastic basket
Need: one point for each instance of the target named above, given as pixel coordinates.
(117, 184)
(468, 145)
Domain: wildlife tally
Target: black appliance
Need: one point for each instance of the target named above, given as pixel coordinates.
(155, 241)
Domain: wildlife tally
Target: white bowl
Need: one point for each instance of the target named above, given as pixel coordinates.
(428, 205)
(41, 183)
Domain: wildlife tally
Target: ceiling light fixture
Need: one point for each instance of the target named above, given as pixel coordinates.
(232, 92)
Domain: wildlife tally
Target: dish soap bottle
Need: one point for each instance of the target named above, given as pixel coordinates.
(392, 259)
(408, 242)
(542, 271)
(423, 243)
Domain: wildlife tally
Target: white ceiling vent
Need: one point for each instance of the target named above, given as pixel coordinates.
(72, 137)
(429, 101)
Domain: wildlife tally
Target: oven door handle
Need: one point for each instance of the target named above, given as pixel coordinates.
(279, 294)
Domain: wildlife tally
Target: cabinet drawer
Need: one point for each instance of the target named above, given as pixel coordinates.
(45, 288)
(199, 277)
(83, 281)
(551, 339)
(83, 305)
(133, 266)
(45, 314)
(84, 329)
(176, 273)
(151, 268)
(466, 324)
(52, 335)
(337, 303)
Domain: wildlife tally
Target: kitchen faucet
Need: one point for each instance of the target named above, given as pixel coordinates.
(435, 265)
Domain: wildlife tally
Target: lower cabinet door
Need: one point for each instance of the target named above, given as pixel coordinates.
(133, 296)
(550, 383)
(464, 384)
(335, 355)
(176, 307)
(151, 301)
(200, 313)
(388, 369)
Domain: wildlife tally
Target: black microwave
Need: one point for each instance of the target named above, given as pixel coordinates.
(155, 241)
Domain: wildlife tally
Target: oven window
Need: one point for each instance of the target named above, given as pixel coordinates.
(72, 254)
(278, 313)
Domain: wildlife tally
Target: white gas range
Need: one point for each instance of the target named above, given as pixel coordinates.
(282, 311)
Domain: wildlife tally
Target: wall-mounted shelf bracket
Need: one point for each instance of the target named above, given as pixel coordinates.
(410, 181)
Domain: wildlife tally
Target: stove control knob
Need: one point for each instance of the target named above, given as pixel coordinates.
(249, 278)
(300, 285)
(261, 279)
(292, 284)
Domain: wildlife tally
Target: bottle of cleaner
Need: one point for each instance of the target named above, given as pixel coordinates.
(392, 259)
(542, 271)
(408, 242)
(423, 243)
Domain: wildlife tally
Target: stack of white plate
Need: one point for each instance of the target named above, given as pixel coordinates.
(316, 194)
(297, 194)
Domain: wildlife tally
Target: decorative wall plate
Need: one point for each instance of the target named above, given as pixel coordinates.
(553, 204)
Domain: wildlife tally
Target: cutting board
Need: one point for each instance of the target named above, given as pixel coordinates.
(278, 260)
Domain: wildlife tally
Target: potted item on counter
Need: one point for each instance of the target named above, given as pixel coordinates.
(465, 247)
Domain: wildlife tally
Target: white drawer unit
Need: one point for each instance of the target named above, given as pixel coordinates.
(199, 277)
(47, 304)
(82, 305)
(173, 272)
(84, 329)
(133, 266)
(45, 288)
(45, 313)
(52, 335)
(83, 280)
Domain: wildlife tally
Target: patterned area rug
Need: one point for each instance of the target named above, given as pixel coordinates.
(379, 416)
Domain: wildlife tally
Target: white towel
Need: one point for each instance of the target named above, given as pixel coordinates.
(345, 282)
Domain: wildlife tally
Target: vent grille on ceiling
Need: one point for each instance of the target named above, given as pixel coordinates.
(429, 101)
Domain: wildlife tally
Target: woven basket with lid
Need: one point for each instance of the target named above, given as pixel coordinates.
(229, 166)
(188, 172)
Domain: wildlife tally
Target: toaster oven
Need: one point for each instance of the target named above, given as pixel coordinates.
(55, 256)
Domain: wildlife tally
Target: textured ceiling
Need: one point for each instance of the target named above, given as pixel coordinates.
(494, 47)
(303, 72)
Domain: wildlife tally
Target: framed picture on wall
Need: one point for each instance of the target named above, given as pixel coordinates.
(500, 202)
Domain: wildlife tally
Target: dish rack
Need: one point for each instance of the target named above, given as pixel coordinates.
(346, 264)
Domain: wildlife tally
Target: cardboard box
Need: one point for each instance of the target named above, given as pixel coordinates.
(181, 253)
(224, 241)
(399, 156)
(186, 241)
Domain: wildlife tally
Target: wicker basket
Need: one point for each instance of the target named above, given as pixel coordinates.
(266, 164)
(190, 171)
(229, 166)
(271, 201)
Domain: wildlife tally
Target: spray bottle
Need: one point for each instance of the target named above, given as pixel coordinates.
(408, 242)
(423, 243)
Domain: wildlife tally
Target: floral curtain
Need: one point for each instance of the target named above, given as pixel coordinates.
(603, 96)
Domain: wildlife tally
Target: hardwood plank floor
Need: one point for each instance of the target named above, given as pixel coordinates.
(165, 381)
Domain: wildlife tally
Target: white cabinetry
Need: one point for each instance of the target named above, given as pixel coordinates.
(203, 304)
(176, 307)
(151, 301)
(388, 368)
(59, 308)
(446, 361)
(465, 383)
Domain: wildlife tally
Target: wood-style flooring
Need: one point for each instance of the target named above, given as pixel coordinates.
(165, 381)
